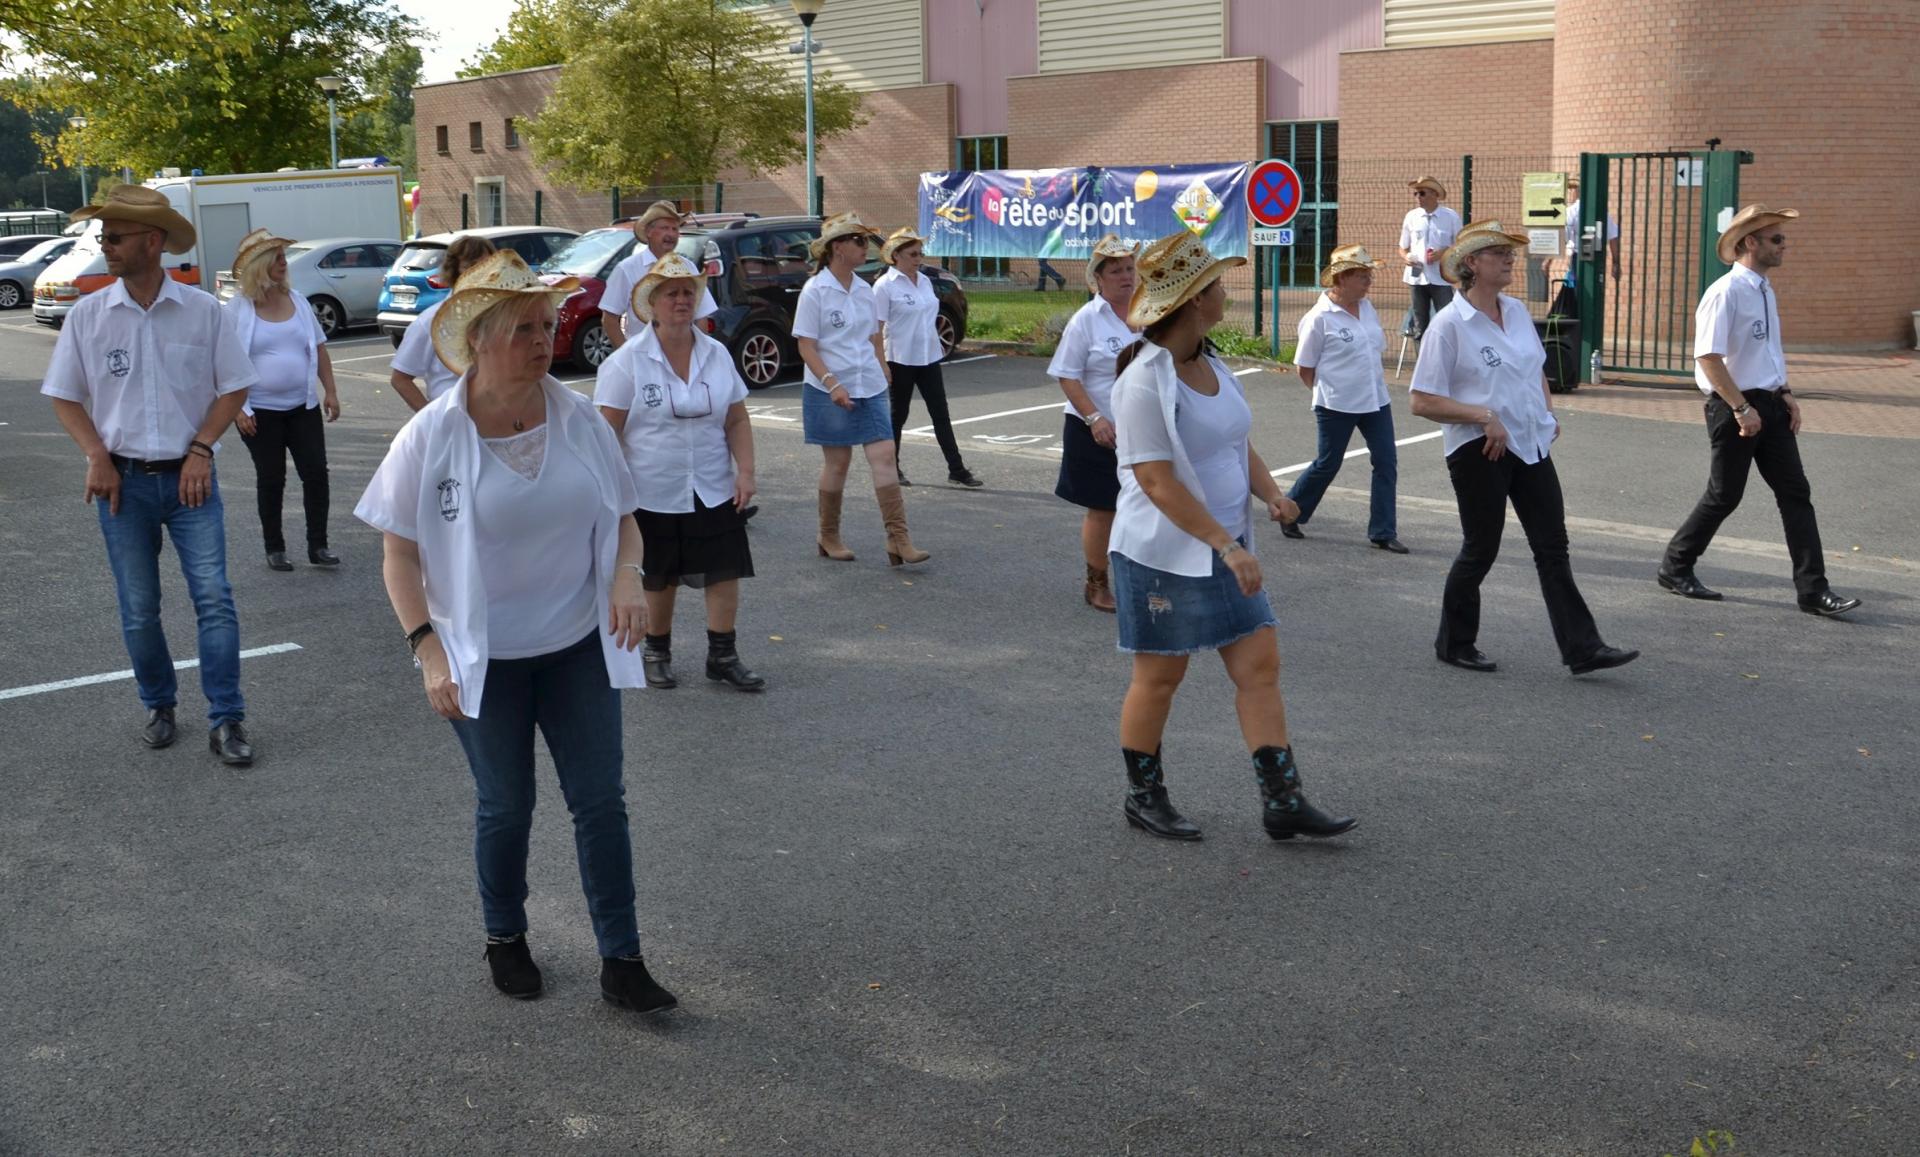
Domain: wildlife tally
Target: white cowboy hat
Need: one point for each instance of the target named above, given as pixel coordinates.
(144, 206)
(1107, 247)
(672, 267)
(256, 243)
(1474, 238)
(835, 227)
(1172, 271)
(1751, 219)
(1346, 259)
(500, 277)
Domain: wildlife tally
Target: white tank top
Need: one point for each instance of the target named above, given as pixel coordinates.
(533, 508)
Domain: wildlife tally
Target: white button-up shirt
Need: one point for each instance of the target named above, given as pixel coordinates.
(148, 377)
(617, 297)
(840, 321)
(1739, 319)
(1421, 231)
(1088, 349)
(417, 358)
(909, 310)
(1496, 367)
(1344, 352)
(675, 437)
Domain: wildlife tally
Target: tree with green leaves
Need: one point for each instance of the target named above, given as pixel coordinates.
(539, 33)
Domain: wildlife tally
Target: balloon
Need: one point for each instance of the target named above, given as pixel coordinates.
(1145, 185)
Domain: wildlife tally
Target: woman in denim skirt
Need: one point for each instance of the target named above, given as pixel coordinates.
(1184, 576)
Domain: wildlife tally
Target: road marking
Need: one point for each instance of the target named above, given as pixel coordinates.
(115, 676)
(1248, 370)
(989, 417)
(366, 358)
(974, 358)
(1299, 466)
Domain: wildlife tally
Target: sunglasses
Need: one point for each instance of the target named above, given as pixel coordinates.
(117, 238)
(696, 405)
(1777, 238)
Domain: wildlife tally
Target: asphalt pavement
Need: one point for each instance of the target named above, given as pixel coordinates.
(895, 893)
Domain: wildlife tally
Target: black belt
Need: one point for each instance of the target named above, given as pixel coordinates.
(167, 466)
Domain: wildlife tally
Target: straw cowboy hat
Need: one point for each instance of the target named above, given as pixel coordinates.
(255, 244)
(896, 239)
(1751, 219)
(1474, 238)
(1107, 247)
(672, 267)
(1346, 259)
(1429, 183)
(835, 227)
(659, 211)
(1172, 271)
(144, 206)
(500, 277)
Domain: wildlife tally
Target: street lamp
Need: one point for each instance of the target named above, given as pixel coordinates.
(808, 11)
(43, 174)
(79, 125)
(331, 85)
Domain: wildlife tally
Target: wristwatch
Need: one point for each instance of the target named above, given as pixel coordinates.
(1742, 411)
(1090, 419)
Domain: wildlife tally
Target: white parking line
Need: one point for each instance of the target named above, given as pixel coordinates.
(1248, 370)
(1299, 466)
(989, 417)
(367, 358)
(113, 676)
(974, 358)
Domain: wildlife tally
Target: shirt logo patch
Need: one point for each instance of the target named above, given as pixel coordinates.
(836, 319)
(450, 499)
(651, 395)
(1346, 335)
(1488, 356)
(1759, 331)
(1113, 346)
(118, 363)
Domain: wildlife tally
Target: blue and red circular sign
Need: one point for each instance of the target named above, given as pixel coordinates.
(1273, 193)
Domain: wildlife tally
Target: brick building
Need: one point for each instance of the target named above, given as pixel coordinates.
(1360, 96)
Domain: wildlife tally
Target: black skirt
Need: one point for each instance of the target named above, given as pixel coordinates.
(1089, 472)
(706, 545)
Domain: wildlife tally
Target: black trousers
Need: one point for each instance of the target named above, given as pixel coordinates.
(1777, 452)
(1427, 301)
(933, 388)
(1483, 489)
(303, 433)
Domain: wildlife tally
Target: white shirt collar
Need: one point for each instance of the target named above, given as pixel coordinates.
(1750, 276)
(170, 290)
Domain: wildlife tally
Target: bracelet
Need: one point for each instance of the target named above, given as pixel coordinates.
(1233, 544)
(196, 444)
(1090, 419)
(634, 567)
(418, 633)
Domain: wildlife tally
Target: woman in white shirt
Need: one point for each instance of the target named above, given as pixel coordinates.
(1339, 358)
(1084, 362)
(1481, 374)
(907, 310)
(283, 413)
(680, 409)
(845, 396)
(513, 564)
(415, 358)
(1184, 575)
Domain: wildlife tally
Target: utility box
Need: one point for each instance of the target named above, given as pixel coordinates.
(1543, 200)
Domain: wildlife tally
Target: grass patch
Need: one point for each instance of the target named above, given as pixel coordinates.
(1037, 318)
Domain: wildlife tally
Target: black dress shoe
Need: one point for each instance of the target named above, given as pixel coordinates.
(730, 670)
(321, 556)
(1469, 660)
(964, 477)
(514, 971)
(277, 560)
(1156, 815)
(1685, 585)
(749, 512)
(1391, 545)
(1827, 604)
(903, 477)
(1602, 659)
(159, 729)
(1292, 530)
(625, 981)
(229, 742)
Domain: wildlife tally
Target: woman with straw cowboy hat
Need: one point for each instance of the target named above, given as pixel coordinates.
(1428, 228)
(283, 411)
(845, 403)
(513, 563)
(415, 357)
(1339, 357)
(907, 310)
(680, 410)
(1184, 575)
(1084, 362)
(1481, 374)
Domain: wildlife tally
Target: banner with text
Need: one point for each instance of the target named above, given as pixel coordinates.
(1063, 212)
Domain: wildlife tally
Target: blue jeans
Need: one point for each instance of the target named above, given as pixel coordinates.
(1336, 430)
(567, 695)
(149, 502)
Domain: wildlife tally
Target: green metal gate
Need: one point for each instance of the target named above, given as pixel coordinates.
(1669, 208)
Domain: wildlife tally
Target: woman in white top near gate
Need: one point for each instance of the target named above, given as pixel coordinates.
(415, 359)
(907, 310)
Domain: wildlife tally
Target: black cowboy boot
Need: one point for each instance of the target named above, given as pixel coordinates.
(1147, 806)
(1287, 813)
(724, 665)
(656, 658)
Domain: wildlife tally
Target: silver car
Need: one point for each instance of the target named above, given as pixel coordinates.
(17, 273)
(339, 276)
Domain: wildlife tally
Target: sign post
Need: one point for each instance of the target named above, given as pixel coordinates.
(1273, 197)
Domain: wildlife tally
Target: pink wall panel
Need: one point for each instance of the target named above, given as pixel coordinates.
(1302, 41)
(975, 45)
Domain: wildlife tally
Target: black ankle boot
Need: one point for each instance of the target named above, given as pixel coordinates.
(625, 981)
(656, 657)
(724, 665)
(1147, 806)
(514, 971)
(1287, 813)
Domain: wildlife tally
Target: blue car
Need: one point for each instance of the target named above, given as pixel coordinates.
(411, 286)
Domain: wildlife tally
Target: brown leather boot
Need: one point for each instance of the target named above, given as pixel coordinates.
(893, 512)
(829, 540)
(1099, 594)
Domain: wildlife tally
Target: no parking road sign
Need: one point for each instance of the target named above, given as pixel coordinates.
(1273, 194)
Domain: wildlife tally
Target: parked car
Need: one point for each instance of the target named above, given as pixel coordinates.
(15, 246)
(579, 335)
(340, 277)
(18, 270)
(410, 283)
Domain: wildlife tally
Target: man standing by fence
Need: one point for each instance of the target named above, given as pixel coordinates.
(1428, 228)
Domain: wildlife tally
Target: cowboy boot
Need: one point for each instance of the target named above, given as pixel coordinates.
(893, 512)
(829, 540)
(1287, 813)
(724, 665)
(1147, 806)
(656, 658)
(1098, 594)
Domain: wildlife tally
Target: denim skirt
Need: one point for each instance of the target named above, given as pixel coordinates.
(825, 424)
(1161, 613)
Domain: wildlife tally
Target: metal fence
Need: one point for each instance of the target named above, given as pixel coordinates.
(24, 222)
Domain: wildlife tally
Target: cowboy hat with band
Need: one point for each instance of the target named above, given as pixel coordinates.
(1346, 259)
(1430, 184)
(1173, 271)
(672, 267)
(1104, 250)
(835, 227)
(142, 206)
(659, 211)
(258, 243)
(897, 240)
(1751, 219)
(499, 278)
(1476, 238)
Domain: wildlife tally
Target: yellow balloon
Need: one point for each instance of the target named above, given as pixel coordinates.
(1145, 185)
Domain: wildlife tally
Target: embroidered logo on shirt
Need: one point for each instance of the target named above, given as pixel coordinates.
(1488, 356)
(1113, 346)
(450, 499)
(1759, 331)
(836, 319)
(651, 395)
(118, 363)
(1346, 335)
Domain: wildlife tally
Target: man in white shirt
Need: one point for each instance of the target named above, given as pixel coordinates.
(1573, 236)
(1426, 231)
(658, 231)
(145, 376)
(1752, 417)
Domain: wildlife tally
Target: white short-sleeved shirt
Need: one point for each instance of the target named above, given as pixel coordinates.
(1344, 353)
(840, 321)
(537, 535)
(909, 310)
(675, 437)
(617, 297)
(1421, 231)
(1088, 349)
(1499, 367)
(1149, 401)
(1739, 319)
(417, 358)
(148, 377)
